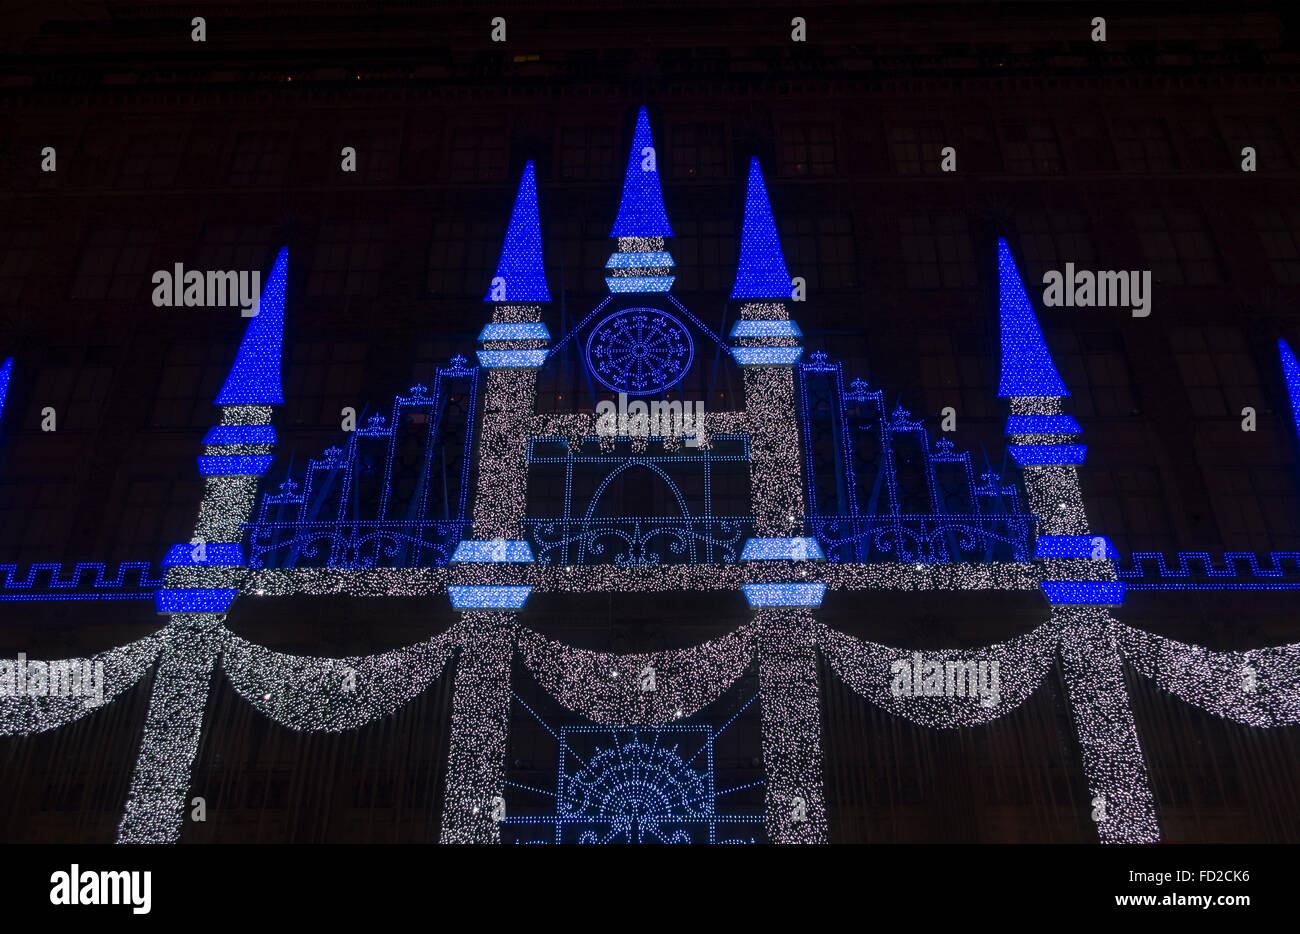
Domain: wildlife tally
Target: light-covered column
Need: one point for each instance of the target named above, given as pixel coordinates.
(792, 730)
(474, 802)
(203, 576)
(1075, 570)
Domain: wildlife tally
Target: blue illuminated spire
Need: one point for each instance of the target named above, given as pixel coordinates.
(641, 212)
(1027, 368)
(520, 277)
(762, 272)
(1290, 372)
(255, 377)
(5, 369)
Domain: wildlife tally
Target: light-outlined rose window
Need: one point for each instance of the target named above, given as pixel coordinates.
(639, 351)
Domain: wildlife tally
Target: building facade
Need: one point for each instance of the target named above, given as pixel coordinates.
(796, 260)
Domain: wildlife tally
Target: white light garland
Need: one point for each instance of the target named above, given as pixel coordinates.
(637, 689)
(873, 671)
(480, 721)
(332, 694)
(124, 666)
(1260, 687)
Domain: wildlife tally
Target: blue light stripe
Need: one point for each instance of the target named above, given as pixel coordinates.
(240, 434)
(766, 356)
(639, 283)
(749, 328)
(503, 359)
(639, 260)
(1084, 593)
(234, 465)
(206, 600)
(1042, 425)
(516, 331)
(1072, 546)
(760, 595)
(488, 598)
(782, 549)
(217, 554)
(493, 551)
(1028, 455)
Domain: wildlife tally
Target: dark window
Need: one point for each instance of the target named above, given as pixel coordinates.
(192, 376)
(1050, 239)
(236, 246)
(1217, 370)
(376, 154)
(820, 249)
(807, 149)
(705, 254)
(587, 152)
(478, 153)
(463, 257)
(955, 372)
(1130, 505)
(1094, 367)
(114, 264)
(149, 162)
(35, 519)
(698, 150)
(19, 246)
(915, 148)
(577, 254)
(1279, 233)
(1263, 135)
(1256, 507)
(75, 393)
(1031, 147)
(260, 158)
(349, 259)
(1178, 247)
(323, 377)
(937, 251)
(155, 514)
(1143, 145)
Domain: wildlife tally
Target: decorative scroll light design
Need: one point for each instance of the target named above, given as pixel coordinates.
(636, 785)
(640, 351)
(880, 489)
(378, 502)
(586, 533)
(937, 528)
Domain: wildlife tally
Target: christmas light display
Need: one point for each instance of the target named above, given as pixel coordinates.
(1027, 368)
(255, 377)
(637, 690)
(766, 356)
(785, 328)
(1012, 670)
(26, 713)
(641, 209)
(332, 694)
(1034, 454)
(639, 351)
(636, 785)
(846, 493)
(1074, 546)
(6, 371)
(1042, 425)
(519, 276)
(1291, 375)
